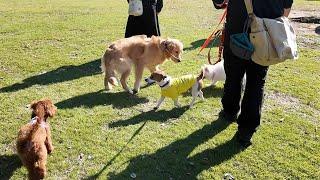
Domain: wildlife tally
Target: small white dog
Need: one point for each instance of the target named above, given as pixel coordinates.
(215, 73)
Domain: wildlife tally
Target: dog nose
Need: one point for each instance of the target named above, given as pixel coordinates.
(179, 60)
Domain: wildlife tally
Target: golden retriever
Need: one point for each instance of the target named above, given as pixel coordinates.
(140, 52)
(34, 139)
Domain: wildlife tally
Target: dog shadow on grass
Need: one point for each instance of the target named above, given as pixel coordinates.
(118, 100)
(174, 161)
(64, 73)
(8, 165)
(208, 92)
(152, 115)
(198, 43)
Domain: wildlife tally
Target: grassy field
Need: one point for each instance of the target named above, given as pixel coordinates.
(53, 49)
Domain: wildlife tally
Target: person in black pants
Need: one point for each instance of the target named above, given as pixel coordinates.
(145, 24)
(235, 68)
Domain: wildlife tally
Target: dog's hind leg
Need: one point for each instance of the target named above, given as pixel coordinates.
(200, 94)
(123, 81)
(195, 93)
(107, 84)
(138, 73)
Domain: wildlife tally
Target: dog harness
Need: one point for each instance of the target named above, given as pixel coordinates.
(178, 86)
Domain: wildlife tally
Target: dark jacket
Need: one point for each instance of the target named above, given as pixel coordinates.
(237, 13)
(144, 24)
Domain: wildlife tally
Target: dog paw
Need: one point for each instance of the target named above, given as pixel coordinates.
(134, 91)
(130, 91)
(149, 81)
(50, 150)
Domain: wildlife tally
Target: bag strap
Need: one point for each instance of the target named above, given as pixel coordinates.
(249, 7)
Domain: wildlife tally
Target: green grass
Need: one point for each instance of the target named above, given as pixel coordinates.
(52, 49)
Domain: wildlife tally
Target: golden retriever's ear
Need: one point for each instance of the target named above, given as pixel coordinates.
(163, 45)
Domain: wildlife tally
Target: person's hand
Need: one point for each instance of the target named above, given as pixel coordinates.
(286, 12)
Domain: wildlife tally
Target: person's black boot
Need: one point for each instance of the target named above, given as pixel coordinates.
(228, 116)
(244, 138)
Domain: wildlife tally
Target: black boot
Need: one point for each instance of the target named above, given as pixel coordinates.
(244, 138)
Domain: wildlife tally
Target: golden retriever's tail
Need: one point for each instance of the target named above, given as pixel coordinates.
(109, 74)
(103, 64)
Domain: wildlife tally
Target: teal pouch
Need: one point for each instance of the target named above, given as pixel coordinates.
(240, 44)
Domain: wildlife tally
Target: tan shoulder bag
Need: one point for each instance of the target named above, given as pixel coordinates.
(274, 40)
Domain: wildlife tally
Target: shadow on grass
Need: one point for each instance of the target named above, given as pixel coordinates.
(160, 116)
(209, 91)
(198, 43)
(116, 99)
(8, 164)
(310, 20)
(212, 91)
(114, 157)
(173, 161)
(64, 73)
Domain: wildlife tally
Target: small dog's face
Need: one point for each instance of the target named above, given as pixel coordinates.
(43, 108)
(174, 47)
(158, 76)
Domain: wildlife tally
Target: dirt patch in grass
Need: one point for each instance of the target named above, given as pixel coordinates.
(307, 25)
(291, 104)
(305, 21)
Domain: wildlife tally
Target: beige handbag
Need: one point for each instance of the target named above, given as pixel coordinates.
(274, 40)
(135, 7)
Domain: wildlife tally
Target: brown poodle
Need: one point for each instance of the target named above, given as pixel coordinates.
(34, 139)
(140, 52)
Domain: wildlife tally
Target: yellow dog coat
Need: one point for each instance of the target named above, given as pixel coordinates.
(178, 86)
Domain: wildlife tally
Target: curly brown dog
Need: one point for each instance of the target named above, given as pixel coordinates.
(34, 139)
(141, 52)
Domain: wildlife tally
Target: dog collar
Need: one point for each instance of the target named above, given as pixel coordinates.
(171, 55)
(34, 121)
(164, 82)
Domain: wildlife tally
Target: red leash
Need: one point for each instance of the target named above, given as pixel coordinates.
(212, 36)
(215, 34)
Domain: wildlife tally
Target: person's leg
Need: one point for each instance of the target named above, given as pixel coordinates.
(149, 27)
(129, 27)
(134, 26)
(249, 119)
(235, 69)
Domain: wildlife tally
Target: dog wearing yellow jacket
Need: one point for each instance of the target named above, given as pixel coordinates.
(173, 87)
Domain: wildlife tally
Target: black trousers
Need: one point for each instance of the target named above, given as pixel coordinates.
(251, 103)
(145, 24)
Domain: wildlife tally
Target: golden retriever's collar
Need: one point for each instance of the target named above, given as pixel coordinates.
(171, 55)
